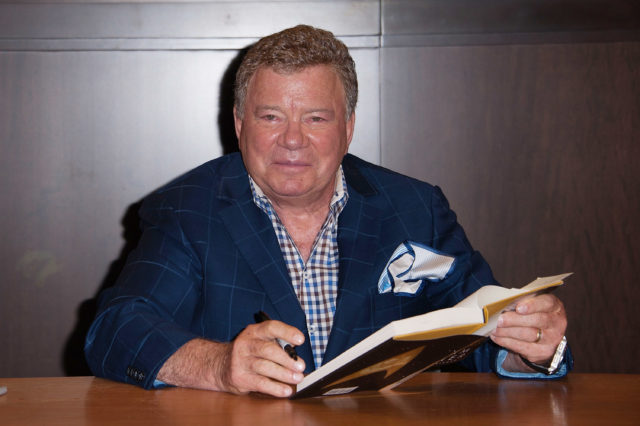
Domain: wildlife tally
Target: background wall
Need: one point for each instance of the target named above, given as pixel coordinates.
(526, 113)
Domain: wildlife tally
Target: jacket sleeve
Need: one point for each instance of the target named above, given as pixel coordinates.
(145, 317)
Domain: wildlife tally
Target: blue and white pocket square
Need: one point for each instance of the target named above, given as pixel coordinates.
(410, 264)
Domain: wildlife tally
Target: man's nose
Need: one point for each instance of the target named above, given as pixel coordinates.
(293, 136)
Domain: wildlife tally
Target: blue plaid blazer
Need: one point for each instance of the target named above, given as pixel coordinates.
(208, 260)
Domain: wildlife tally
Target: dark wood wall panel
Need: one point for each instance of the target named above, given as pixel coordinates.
(84, 135)
(537, 147)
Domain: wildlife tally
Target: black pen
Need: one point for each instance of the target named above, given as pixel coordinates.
(261, 317)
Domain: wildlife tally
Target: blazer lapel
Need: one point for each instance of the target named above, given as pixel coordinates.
(358, 233)
(253, 234)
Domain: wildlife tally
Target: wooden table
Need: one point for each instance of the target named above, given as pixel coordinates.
(430, 398)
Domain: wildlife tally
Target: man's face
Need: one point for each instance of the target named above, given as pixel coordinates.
(294, 133)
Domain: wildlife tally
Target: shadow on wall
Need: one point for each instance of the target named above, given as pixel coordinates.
(225, 105)
(73, 360)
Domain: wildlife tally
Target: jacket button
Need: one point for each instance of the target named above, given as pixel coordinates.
(135, 374)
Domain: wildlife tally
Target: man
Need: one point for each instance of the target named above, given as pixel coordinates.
(298, 229)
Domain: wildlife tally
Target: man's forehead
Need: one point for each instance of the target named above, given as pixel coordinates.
(291, 71)
(321, 79)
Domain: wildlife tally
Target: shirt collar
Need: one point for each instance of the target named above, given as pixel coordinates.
(340, 192)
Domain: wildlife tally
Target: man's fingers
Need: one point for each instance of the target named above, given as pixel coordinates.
(534, 329)
(261, 375)
(540, 303)
(544, 312)
(534, 352)
(534, 321)
(273, 388)
(525, 334)
(245, 381)
(265, 345)
(272, 329)
(266, 368)
(259, 364)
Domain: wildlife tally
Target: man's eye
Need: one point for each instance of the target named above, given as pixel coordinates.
(269, 117)
(317, 119)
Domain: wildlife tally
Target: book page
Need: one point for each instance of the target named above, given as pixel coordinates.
(437, 320)
(485, 295)
(490, 294)
(546, 282)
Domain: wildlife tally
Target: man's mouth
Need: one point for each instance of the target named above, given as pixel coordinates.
(292, 163)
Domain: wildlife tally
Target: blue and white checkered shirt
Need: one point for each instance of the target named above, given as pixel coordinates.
(316, 282)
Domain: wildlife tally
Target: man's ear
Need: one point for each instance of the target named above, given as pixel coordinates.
(237, 122)
(351, 123)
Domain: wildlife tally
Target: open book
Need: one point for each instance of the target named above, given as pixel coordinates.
(406, 347)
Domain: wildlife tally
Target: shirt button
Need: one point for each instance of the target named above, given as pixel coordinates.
(311, 328)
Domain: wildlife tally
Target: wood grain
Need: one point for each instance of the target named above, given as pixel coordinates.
(436, 398)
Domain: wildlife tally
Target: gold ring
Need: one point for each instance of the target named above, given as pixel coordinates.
(538, 336)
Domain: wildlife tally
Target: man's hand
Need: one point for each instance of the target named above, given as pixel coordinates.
(533, 331)
(253, 362)
(256, 362)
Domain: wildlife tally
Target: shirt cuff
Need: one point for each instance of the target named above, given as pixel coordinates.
(563, 369)
(159, 384)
